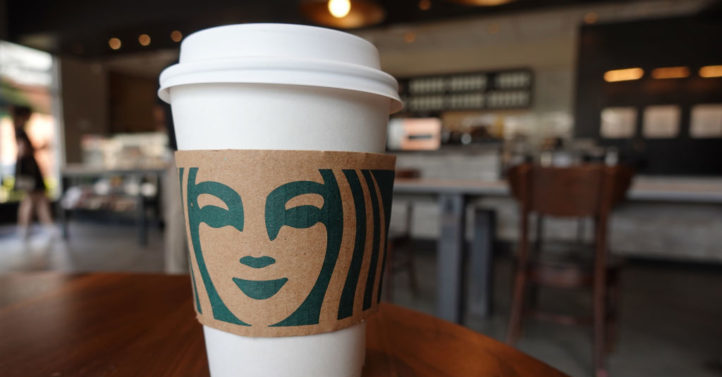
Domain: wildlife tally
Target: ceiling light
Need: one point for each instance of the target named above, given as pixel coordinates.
(360, 14)
(176, 36)
(591, 18)
(626, 74)
(711, 71)
(339, 8)
(483, 3)
(493, 28)
(114, 43)
(424, 4)
(670, 72)
(409, 37)
(144, 39)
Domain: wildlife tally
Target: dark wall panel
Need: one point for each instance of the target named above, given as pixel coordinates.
(692, 42)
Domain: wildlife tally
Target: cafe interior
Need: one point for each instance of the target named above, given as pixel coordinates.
(557, 202)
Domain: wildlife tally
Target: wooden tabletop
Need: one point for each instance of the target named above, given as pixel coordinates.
(54, 325)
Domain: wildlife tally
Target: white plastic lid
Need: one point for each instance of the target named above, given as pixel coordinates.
(280, 54)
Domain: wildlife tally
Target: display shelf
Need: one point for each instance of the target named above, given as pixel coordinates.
(114, 191)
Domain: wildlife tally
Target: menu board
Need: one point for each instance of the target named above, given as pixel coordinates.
(706, 121)
(618, 122)
(661, 121)
(507, 89)
(414, 134)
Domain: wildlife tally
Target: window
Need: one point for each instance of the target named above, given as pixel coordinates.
(26, 78)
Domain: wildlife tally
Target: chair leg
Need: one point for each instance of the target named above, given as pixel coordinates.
(600, 319)
(614, 296)
(533, 297)
(600, 331)
(600, 297)
(388, 287)
(411, 268)
(520, 281)
(517, 305)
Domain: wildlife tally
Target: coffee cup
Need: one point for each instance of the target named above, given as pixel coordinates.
(300, 90)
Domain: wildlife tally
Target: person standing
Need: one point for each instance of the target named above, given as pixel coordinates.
(28, 177)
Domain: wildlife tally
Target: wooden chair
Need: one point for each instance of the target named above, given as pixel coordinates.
(399, 256)
(586, 191)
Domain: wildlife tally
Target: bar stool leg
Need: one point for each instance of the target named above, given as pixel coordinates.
(481, 263)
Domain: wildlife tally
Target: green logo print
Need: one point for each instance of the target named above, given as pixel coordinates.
(385, 180)
(305, 216)
(276, 215)
(190, 265)
(215, 217)
(348, 295)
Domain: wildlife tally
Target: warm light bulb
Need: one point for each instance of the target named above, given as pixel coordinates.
(591, 18)
(144, 39)
(670, 72)
(493, 28)
(176, 36)
(114, 43)
(339, 8)
(626, 74)
(409, 37)
(709, 71)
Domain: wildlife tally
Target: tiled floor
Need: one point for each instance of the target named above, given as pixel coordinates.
(671, 322)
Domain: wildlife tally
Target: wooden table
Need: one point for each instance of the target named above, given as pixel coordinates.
(453, 195)
(112, 324)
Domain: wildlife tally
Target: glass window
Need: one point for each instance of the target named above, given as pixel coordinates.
(27, 79)
(618, 122)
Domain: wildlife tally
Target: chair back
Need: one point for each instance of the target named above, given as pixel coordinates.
(407, 173)
(578, 191)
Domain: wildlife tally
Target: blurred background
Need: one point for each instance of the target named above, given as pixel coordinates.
(486, 85)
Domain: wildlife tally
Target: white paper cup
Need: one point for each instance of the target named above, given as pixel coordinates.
(289, 87)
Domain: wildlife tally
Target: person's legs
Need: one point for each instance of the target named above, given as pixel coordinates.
(25, 210)
(42, 207)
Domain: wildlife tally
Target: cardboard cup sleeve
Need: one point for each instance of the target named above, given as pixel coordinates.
(285, 243)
